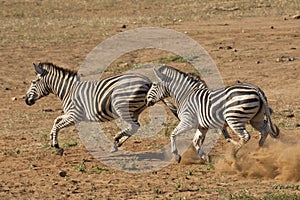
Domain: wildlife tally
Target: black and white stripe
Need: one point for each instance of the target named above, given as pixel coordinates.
(121, 96)
(202, 108)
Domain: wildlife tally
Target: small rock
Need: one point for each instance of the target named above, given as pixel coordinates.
(14, 99)
(296, 17)
(124, 26)
(47, 110)
(7, 88)
(272, 27)
(291, 58)
(290, 115)
(258, 62)
(279, 59)
(62, 174)
(234, 50)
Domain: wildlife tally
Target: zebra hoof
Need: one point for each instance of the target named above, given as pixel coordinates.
(114, 149)
(59, 151)
(177, 158)
(207, 158)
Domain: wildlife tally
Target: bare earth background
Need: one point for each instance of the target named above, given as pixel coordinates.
(251, 41)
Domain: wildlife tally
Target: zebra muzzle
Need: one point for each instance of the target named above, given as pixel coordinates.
(29, 100)
(150, 103)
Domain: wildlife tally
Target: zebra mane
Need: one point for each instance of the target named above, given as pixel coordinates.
(45, 65)
(191, 77)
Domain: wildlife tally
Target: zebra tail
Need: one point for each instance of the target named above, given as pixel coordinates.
(171, 107)
(268, 111)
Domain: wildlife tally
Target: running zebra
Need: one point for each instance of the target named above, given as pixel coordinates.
(120, 96)
(203, 108)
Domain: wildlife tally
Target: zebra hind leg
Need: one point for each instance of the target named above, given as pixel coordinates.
(124, 135)
(244, 138)
(227, 136)
(262, 127)
(198, 141)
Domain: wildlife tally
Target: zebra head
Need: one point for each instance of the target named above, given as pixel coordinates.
(156, 93)
(38, 87)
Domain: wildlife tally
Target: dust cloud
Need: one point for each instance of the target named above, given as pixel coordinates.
(278, 159)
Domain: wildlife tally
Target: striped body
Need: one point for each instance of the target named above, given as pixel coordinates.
(213, 108)
(202, 108)
(121, 96)
(109, 98)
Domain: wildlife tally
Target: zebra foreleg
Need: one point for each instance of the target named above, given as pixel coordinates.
(174, 148)
(59, 123)
(180, 128)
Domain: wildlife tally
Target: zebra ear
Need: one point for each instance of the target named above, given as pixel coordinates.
(159, 75)
(38, 69)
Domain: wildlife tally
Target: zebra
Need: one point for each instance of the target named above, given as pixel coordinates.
(203, 108)
(120, 96)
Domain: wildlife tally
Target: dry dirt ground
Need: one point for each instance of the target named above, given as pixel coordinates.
(251, 41)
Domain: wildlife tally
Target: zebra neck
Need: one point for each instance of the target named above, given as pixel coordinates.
(64, 88)
(179, 92)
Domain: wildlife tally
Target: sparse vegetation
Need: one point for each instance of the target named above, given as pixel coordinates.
(80, 167)
(70, 143)
(97, 170)
(281, 197)
(287, 187)
(64, 32)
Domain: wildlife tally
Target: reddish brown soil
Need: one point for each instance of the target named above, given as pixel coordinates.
(250, 41)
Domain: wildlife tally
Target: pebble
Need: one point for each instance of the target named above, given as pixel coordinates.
(14, 99)
(284, 59)
(62, 173)
(296, 17)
